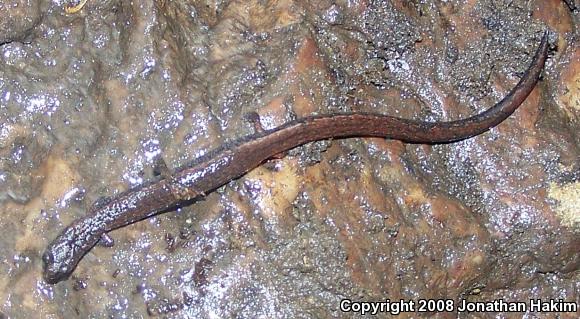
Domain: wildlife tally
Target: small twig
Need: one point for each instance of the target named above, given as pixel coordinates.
(76, 8)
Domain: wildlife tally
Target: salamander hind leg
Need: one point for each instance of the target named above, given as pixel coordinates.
(255, 120)
(160, 168)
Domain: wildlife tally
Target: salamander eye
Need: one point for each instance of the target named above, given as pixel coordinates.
(48, 258)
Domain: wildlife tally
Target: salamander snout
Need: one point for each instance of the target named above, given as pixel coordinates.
(56, 265)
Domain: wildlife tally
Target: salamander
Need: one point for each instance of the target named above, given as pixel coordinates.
(231, 161)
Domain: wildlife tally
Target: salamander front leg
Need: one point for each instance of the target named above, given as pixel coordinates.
(106, 241)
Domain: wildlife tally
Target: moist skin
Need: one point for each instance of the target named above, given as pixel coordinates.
(233, 160)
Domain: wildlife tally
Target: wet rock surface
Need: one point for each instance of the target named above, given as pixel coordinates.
(90, 101)
(18, 19)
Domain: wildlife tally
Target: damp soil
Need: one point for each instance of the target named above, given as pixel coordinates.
(92, 102)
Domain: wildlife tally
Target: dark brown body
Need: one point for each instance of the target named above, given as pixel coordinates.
(232, 161)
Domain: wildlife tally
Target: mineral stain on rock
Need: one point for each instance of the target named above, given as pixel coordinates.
(568, 203)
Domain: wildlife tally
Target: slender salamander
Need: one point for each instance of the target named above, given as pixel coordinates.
(232, 161)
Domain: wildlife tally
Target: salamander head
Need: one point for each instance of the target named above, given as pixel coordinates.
(60, 258)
